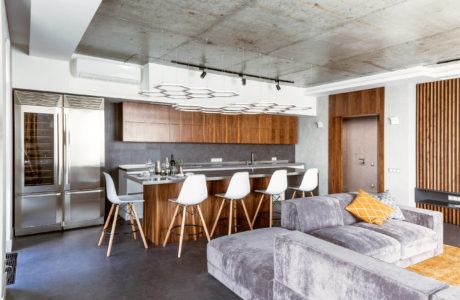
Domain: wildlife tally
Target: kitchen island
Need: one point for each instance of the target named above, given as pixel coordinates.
(158, 211)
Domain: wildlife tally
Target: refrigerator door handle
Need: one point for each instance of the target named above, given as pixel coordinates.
(58, 161)
(39, 195)
(67, 148)
(85, 192)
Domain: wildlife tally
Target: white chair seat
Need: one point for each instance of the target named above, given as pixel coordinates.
(265, 192)
(131, 198)
(228, 197)
(300, 189)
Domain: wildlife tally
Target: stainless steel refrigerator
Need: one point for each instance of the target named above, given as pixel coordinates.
(59, 156)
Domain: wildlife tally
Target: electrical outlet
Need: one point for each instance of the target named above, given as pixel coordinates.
(216, 159)
(274, 158)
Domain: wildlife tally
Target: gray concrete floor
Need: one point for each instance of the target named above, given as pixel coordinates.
(69, 265)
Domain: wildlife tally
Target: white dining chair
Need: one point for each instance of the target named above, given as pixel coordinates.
(308, 184)
(192, 193)
(276, 187)
(238, 188)
(118, 201)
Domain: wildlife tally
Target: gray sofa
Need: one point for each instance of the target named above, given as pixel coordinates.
(324, 252)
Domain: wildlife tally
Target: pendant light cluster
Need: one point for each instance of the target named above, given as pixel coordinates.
(182, 92)
(246, 108)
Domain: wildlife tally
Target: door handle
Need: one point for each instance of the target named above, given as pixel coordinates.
(362, 161)
(39, 195)
(85, 192)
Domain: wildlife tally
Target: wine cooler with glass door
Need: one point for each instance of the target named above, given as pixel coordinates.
(59, 156)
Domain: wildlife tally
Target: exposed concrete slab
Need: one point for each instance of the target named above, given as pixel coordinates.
(305, 41)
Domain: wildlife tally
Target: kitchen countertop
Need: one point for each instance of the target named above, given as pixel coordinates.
(221, 173)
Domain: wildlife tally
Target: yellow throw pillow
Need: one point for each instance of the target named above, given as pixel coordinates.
(369, 209)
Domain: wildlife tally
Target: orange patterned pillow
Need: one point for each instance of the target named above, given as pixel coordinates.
(369, 209)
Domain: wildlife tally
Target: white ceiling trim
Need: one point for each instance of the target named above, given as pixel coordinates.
(415, 74)
(56, 26)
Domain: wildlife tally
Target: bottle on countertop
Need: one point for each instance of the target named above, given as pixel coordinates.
(172, 166)
(167, 170)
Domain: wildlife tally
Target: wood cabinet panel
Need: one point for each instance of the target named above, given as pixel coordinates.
(159, 123)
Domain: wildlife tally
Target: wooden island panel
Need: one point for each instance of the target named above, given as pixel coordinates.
(158, 211)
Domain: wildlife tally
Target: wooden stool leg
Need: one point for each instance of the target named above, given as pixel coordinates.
(218, 216)
(257, 210)
(271, 210)
(132, 221)
(293, 194)
(303, 194)
(235, 217)
(182, 225)
(204, 223)
(112, 233)
(171, 225)
(194, 224)
(107, 222)
(246, 213)
(139, 226)
(230, 218)
(311, 193)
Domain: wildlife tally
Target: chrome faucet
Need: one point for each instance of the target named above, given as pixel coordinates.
(253, 158)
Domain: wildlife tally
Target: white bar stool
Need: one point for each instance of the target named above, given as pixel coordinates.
(192, 193)
(238, 188)
(308, 184)
(116, 200)
(276, 187)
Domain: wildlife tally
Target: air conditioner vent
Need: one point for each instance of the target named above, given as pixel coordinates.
(84, 102)
(37, 99)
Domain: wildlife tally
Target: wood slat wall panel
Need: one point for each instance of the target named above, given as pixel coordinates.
(353, 104)
(140, 122)
(438, 136)
(450, 215)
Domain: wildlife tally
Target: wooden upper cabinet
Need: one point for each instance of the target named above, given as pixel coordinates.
(160, 123)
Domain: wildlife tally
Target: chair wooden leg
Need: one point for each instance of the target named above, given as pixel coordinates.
(182, 226)
(204, 223)
(311, 193)
(194, 224)
(139, 226)
(230, 218)
(112, 232)
(235, 217)
(171, 225)
(303, 194)
(132, 221)
(293, 194)
(246, 213)
(218, 216)
(107, 222)
(271, 210)
(257, 210)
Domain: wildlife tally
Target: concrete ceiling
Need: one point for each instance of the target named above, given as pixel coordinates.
(310, 43)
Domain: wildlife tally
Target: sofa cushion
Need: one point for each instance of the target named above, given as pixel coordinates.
(364, 241)
(307, 214)
(344, 200)
(247, 259)
(414, 239)
(369, 209)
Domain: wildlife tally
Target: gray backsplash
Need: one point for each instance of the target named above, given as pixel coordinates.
(119, 153)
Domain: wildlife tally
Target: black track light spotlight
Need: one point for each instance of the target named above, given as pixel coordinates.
(278, 87)
(203, 74)
(243, 80)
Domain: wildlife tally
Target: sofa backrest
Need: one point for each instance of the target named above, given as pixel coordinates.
(307, 267)
(345, 199)
(308, 214)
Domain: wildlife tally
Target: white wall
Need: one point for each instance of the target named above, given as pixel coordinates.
(400, 141)
(5, 145)
(312, 145)
(45, 74)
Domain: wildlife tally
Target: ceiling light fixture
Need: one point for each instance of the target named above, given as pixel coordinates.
(243, 79)
(203, 74)
(278, 87)
(177, 91)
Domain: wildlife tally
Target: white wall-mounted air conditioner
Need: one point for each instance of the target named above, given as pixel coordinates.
(106, 70)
